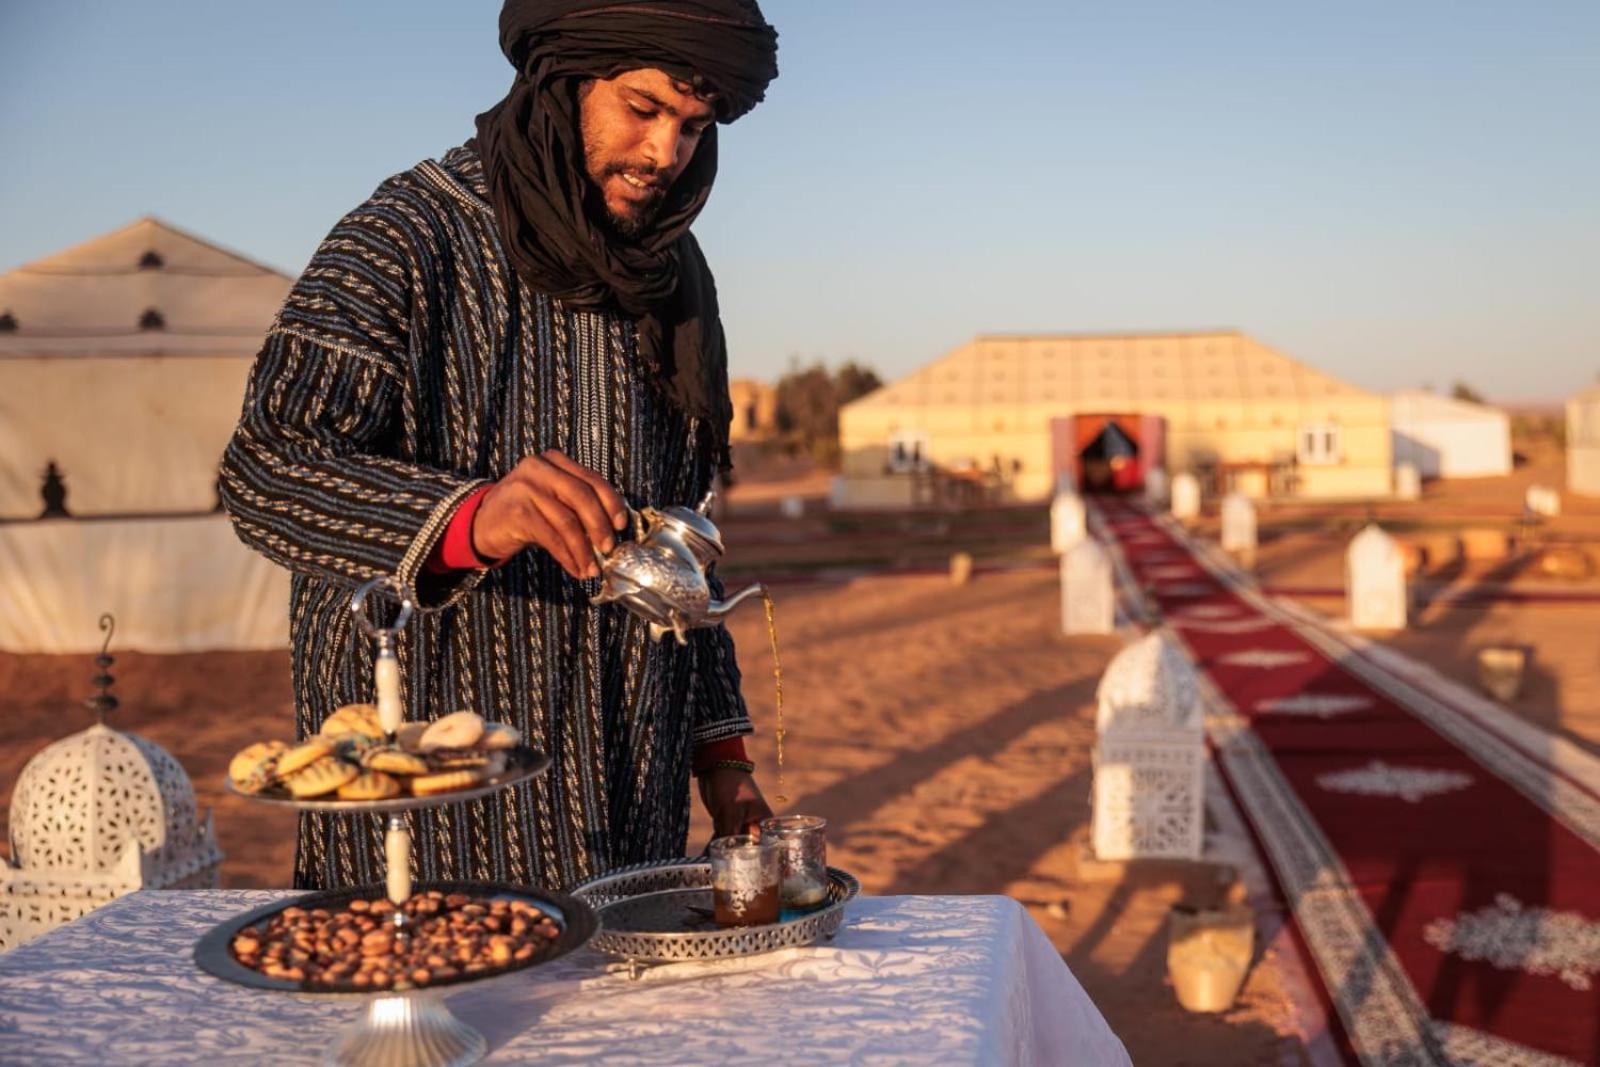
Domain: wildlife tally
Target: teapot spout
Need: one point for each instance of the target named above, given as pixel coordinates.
(718, 610)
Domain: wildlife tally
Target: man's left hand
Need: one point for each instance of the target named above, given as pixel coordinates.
(733, 800)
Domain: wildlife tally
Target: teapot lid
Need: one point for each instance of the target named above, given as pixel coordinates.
(694, 522)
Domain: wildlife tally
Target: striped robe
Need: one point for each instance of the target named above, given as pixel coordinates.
(407, 368)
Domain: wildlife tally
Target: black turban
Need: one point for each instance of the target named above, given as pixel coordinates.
(551, 218)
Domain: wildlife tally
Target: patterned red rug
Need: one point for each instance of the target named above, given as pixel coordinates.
(1445, 878)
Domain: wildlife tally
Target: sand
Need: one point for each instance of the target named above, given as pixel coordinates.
(945, 733)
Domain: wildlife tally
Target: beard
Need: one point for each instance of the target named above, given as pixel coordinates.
(635, 223)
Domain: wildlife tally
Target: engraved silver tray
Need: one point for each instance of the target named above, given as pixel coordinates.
(661, 913)
(522, 764)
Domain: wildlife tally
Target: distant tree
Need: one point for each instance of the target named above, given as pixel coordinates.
(853, 381)
(1463, 391)
(809, 398)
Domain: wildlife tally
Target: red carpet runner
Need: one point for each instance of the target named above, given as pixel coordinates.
(1446, 882)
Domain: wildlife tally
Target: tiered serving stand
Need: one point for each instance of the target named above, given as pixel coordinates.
(411, 1028)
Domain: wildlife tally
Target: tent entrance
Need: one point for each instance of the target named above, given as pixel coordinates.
(1108, 453)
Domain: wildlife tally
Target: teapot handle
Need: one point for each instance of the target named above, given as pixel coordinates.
(638, 520)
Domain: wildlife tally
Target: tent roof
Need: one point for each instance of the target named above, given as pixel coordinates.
(1111, 371)
(1419, 405)
(96, 298)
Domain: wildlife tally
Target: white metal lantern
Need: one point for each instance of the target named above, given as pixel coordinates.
(1407, 481)
(1069, 522)
(96, 815)
(1149, 760)
(1238, 524)
(1185, 497)
(1156, 486)
(1088, 590)
(1375, 581)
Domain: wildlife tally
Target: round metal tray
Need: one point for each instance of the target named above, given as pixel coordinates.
(522, 763)
(213, 954)
(660, 913)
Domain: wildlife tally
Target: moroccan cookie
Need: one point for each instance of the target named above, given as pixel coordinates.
(304, 756)
(445, 782)
(321, 778)
(409, 736)
(497, 735)
(486, 764)
(254, 767)
(370, 785)
(353, 719)
(394, 761)
(459, 729)
(456, 759)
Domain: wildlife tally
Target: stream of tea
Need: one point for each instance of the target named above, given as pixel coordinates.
(777, 676)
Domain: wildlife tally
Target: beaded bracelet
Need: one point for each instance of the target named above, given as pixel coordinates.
(729, 765)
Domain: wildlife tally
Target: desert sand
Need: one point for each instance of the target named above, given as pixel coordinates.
(944, 731)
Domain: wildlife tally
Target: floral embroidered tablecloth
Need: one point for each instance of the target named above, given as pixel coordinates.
(943, 980)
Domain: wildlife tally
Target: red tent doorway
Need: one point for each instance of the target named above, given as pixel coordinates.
(1107, 453)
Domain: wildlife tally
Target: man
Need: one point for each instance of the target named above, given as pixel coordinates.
(478, 367)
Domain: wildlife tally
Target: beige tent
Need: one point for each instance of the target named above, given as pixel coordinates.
(123, 362)
(1014, 414)
(122, 366)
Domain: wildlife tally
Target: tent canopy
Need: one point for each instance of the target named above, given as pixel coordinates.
(92, 298)
(123, 362)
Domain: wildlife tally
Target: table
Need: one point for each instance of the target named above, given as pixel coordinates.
(945, 980)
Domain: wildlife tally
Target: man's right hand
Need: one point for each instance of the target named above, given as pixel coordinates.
(550, 501)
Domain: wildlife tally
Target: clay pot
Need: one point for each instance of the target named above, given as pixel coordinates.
(1566, 561)
(960, 568)
(1500, 671)
(1485, 545)
(1208, 955)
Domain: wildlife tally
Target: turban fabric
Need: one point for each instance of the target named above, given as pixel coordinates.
(552, 219)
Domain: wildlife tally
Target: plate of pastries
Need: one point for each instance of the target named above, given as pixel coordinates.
(350, 762)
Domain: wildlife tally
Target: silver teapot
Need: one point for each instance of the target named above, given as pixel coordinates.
(660, 576)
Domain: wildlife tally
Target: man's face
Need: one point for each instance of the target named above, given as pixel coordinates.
(640, 129)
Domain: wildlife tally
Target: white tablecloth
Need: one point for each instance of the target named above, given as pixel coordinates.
(944, 980)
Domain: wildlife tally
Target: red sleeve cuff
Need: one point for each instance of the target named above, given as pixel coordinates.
(710, 752)
(454, 551)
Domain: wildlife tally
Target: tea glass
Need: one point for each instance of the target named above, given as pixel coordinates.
(803, 859)
(744, 880)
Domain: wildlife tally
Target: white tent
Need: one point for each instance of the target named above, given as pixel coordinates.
(122, 367)
(1583, 442)
(123, 361)
(1447, 438)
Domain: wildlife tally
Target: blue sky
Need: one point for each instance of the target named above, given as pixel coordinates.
(1399, 193)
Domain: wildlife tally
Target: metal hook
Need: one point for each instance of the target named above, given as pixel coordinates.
(358, 603)
(103, 701)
